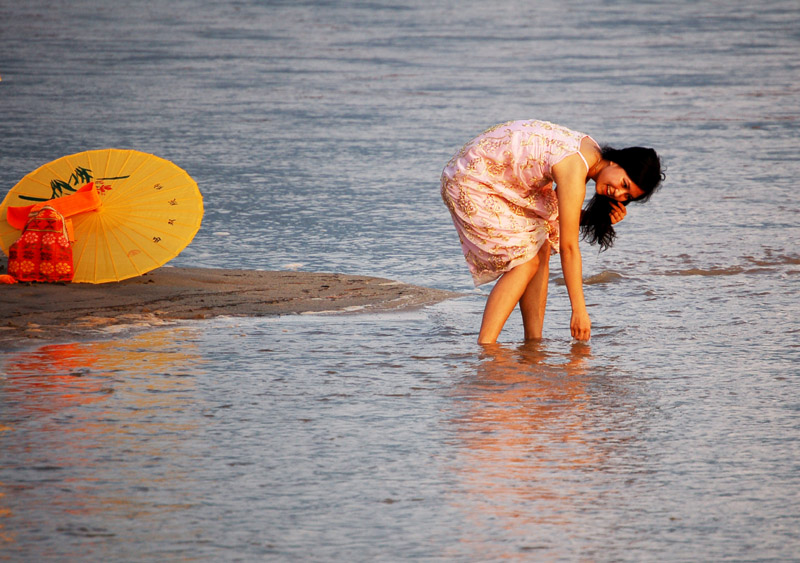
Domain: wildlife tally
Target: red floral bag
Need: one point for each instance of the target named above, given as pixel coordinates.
(43, 253)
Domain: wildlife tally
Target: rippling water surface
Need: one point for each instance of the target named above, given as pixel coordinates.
(317, 132)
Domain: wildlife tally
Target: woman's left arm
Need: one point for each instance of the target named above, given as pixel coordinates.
(570, 178)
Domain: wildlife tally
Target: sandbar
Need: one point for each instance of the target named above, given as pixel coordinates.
(38, 313)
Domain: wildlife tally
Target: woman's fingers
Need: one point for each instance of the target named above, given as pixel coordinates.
(618, 212)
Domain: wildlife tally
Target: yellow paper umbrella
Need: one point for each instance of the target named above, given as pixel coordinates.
(150, 211)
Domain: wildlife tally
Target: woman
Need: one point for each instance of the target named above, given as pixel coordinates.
(499, 190)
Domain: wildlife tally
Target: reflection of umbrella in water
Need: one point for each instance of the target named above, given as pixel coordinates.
(150, 211)
(53, 377)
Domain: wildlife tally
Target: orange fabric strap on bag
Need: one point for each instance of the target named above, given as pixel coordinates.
(83, 200)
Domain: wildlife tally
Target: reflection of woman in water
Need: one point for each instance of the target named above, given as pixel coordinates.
(527, 426)
(499, 190)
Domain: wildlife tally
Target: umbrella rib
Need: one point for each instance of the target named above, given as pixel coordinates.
(77, 260)
(84, 246)
(163, 164)
(150, 256)
(131, 193)
(96, 235)
(128, 158)
(154, 229)
(130, 259)
(136, 198)
(106, 238)
(129, 154)
(139, 248)
(90, 235)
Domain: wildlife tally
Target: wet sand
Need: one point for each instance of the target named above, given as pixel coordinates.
(38, 313)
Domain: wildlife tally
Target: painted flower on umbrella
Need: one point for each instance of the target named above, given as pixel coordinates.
(63, 241)
(47, 268)
(26, 266)
(48, 238)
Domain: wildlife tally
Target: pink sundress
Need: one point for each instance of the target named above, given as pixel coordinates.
(499, 190)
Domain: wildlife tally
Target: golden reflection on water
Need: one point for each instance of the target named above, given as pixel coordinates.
(84, 405)
(524, 430)
(58, 376)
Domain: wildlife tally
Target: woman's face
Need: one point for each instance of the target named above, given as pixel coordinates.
(614, 182)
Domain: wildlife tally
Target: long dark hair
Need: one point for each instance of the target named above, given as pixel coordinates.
(644, 168)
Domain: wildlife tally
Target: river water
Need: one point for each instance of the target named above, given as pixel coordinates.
(317, 132)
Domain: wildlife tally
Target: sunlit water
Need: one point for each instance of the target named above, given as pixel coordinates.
(317, 132)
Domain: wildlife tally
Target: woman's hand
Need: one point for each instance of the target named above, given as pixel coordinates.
(618, 212)
(580, 325)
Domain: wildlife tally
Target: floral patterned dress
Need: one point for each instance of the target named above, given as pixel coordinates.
(499, 190)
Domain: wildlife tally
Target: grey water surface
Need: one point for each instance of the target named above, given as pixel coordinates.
(317, 132)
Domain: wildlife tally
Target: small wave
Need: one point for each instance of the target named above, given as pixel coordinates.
(730, 271)
(781, 260)
(753, 265)
(606, 276)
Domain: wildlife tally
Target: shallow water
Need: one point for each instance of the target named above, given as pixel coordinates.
(317, 132)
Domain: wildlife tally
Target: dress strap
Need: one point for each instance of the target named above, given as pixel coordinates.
(583, 158)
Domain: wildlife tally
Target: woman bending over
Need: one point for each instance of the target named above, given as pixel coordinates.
(509, 218)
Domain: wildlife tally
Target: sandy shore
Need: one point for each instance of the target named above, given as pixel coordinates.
(34, 314)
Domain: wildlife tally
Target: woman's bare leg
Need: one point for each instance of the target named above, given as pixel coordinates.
(533, 302)
(504, 297)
